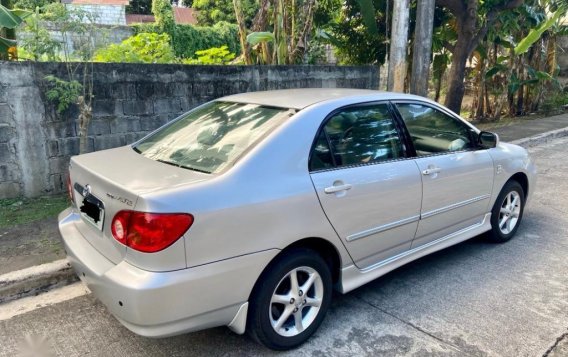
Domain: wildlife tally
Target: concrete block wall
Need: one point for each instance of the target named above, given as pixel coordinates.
(9, 169)
(130, 101)
(104, 14)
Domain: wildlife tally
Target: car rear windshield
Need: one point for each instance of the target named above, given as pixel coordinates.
(213, 136)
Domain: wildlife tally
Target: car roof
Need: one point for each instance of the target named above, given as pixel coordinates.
(304, 97)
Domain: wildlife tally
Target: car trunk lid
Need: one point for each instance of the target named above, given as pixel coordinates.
(109, 181)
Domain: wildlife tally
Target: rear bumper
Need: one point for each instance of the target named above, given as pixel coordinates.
(159, 304)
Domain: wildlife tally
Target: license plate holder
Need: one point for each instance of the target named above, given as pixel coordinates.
(92, 208)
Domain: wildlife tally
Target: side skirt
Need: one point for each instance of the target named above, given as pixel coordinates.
(353, 277)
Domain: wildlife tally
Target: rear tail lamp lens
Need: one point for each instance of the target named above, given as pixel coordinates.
(149, 232)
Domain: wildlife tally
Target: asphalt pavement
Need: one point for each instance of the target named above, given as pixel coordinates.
(473, 299)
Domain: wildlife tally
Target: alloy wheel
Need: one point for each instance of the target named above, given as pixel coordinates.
(296, 301)
(509, 212)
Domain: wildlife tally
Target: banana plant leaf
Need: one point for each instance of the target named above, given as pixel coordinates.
(368, 13)
(535, 34)
(495, 69)
(5, 44)
(258, 37)
(9, 18)
(328, 37)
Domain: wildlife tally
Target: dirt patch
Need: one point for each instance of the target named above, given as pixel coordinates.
(28, 244)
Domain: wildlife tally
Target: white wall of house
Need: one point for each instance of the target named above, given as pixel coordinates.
(104, 14)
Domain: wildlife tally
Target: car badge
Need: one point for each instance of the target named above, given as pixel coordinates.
(86, 190)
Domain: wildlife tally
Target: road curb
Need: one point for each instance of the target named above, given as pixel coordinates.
(541, 138)
(35, 280)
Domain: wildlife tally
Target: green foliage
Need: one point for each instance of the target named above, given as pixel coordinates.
(62, 93)
(189, 39)
(212, 56)
(141, 48)
(368, 16)
(349, 27)
(38, 45)
(536, 33)
(211, 12)
(555, 101)
(255, 38)
(9, 20)
(31, 4)
(164, 15)
(79, 26)
(317, 52)
(143, 7)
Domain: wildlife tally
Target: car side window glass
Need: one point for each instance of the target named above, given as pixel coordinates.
(365, 134)
(320, 158)
(434, 132)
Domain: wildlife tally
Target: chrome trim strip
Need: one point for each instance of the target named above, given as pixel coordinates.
(424, 246)
(382, 228)
(454, 206)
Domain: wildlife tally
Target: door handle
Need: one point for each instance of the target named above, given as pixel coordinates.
(431, 170)
(338, 188)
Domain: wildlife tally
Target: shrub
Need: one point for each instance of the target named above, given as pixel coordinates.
(163, 13)
(188, 39)
(215, 55)
(141, 48)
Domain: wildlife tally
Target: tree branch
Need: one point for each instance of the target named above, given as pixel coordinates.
(456, 7)
(492, 16)
(447, 44)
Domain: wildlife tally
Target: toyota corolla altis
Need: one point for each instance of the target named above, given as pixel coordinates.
(248, 210)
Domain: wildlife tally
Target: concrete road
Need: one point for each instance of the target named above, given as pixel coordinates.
(473, 299)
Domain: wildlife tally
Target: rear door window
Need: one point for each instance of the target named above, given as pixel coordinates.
(357, 135)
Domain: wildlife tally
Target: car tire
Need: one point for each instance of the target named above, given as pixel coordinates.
(281, 314)
(507, 213)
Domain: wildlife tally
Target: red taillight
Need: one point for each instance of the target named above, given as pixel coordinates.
(70, 188)
(149, 232)
(119, 226)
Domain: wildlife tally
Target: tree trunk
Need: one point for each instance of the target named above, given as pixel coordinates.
(422, 47)
(479, 112)
(551, 62)
(242, 31)
(470, 33)
(398, 46)
(85, 116)
(438, 89)
(456, 87)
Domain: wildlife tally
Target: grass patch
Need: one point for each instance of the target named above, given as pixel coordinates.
(26, 210)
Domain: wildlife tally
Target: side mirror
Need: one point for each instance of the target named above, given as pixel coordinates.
(487, 140)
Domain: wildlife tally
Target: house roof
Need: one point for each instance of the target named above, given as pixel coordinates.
(97, 2)
(139, 19)
(182, 16)
(185, 16)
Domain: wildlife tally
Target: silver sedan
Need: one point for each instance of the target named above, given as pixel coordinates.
(248, 210)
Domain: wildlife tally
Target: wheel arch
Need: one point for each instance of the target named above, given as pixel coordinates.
(325, 249)
(322, 246)
(523, 180)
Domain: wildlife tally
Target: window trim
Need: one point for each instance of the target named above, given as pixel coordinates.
(440, 109)
(397, 124)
